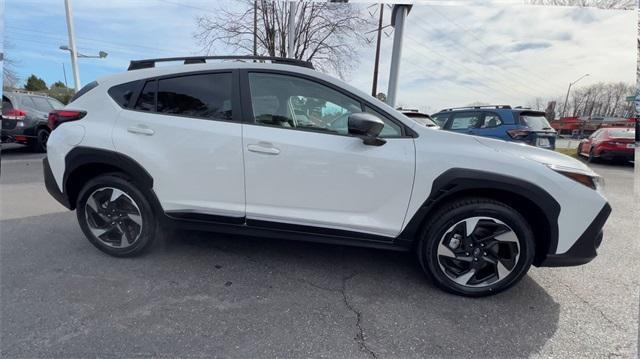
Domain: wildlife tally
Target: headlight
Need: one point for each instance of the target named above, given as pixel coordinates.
(588, 179)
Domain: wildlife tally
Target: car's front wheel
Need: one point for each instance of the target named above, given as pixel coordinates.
(115, 216)
(476, 247)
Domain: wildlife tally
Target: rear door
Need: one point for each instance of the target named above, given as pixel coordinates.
(185, 131)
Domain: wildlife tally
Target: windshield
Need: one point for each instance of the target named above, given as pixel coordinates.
(536, 123)
(622, 133)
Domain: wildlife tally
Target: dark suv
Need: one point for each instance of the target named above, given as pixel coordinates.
(502, 122)
(24, 118)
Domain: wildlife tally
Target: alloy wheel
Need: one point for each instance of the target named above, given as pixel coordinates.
(113, 217)
(478, 252)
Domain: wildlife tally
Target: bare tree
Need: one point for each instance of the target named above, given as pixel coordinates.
(603, 4)
(326, 34)
(597, 100)
(9, 75)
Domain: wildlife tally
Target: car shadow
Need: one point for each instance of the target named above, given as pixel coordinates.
(390, 290)
(326, 289)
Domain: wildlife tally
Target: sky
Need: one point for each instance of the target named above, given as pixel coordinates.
(454, 54)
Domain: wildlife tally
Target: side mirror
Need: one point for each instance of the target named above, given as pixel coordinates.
(367, 127)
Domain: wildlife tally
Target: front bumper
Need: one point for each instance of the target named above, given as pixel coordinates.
(52, 186)
(584, 249)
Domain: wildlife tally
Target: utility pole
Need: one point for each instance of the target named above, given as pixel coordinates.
(292, 28)
(374, 88)
(255, 27)
(566, 99)
(64, 72)
(398, 16)
(72, 45)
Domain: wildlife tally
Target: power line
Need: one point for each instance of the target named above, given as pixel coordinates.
(480, 59)
(506, 55)
(426, 72)
(486, 78)
(99, 41)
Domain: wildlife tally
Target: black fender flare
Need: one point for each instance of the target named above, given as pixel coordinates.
(82, 156)
(456, 180)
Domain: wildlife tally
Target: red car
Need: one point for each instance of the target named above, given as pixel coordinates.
(609, 144)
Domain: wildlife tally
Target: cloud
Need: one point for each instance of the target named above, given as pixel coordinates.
(523, 46)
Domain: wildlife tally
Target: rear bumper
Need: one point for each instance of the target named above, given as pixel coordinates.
(52, 186)
(584, 249)
(615, 154)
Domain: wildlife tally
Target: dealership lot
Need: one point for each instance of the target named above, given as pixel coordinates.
(204, 295)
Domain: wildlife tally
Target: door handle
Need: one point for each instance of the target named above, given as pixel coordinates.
(263, 147)
(141, 130)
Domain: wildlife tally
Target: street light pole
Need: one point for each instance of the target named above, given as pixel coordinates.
(566, 99)
(398, 16)
(374, 88)
(72, 45)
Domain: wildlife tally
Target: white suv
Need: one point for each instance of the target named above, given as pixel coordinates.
(280, 150)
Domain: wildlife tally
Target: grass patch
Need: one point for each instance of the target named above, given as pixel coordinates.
(568, 151)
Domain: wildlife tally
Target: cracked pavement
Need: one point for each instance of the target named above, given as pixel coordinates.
(199, 295)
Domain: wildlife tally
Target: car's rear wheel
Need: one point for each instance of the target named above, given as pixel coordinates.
(39, 143)
(115, 216)
(476, 247)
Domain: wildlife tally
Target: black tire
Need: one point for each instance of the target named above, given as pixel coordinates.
(39, 143)
(591, 158)
(147, 232)
(451, 214)
(579, 150)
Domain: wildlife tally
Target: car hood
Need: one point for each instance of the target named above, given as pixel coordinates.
(543, 156)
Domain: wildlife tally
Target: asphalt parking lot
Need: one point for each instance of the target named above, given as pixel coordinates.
(205, 295)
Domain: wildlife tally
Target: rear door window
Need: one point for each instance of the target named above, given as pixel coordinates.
(491, 120)
(41, 104)
(204, 96)
(464, 120)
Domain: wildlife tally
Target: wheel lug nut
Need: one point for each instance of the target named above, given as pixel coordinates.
(481, 244)
(484, 253)
(475, 259)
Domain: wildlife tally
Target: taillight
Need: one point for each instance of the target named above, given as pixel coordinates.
(57, 117)
(14, 114)
(518, 133)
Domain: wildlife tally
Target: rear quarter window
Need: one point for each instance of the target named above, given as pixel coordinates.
(123, 93)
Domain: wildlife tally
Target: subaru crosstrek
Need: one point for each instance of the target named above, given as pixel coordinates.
(502, 122)
(277, 149)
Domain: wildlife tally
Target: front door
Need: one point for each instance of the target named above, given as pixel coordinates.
(302, 167)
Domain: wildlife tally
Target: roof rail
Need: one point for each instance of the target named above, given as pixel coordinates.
(477, 107)
(149, 63)
(28, 92)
